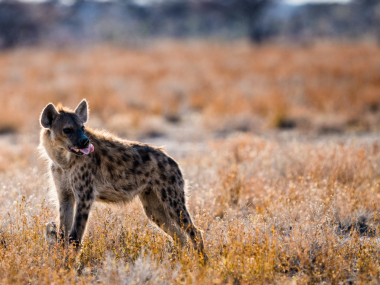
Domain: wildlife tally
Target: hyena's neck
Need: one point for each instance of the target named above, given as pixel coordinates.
(60, 157)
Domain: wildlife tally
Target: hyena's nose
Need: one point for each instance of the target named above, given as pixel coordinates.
(84, 142)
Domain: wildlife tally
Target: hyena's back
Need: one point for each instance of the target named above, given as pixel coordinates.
(122, 169)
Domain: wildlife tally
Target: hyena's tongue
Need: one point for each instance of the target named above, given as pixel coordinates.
(88, 150)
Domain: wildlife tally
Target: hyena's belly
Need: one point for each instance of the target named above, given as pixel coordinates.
(115, 193)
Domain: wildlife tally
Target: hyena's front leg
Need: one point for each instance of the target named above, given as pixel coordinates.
(66, 205)
(84, 198)
(66, 213)
(51, 232)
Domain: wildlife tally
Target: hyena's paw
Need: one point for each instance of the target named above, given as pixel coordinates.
(51, 232)
(74, 243)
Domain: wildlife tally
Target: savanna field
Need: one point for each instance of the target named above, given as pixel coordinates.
(279, 146)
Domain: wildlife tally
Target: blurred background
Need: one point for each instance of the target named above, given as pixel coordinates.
(193, 69)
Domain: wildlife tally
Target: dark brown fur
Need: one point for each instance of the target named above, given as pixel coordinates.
(116, 172)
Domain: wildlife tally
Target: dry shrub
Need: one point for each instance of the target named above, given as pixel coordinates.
(266, 87)
(229, 193)
(271, 211)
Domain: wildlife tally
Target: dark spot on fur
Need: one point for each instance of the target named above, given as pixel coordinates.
(109, 168)
(104, 152)
(158, 182)
(110, 158)
(185, 221)
(147, 174)
(144, 153)
(163, 176)
(111, 144)
(98, 159)
(163, 195)
(138, 172)
(172, 179)
(161, 166)
(172, 162)
(136, 163)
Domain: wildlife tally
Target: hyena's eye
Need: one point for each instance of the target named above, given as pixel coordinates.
(67, 131)
(82, 128)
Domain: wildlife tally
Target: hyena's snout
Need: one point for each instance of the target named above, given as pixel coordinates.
(84, 142)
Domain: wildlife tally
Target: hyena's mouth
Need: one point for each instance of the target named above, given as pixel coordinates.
(82, 151)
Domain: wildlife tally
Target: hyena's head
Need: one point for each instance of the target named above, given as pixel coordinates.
(67, 128)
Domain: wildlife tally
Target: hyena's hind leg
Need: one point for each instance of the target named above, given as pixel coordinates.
(173, 199)
(156, 212)
(183, 219)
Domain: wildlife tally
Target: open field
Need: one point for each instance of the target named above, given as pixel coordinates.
(294, 206)
(219, 87)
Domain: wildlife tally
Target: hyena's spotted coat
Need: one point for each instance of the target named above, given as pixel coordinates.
(88, 166)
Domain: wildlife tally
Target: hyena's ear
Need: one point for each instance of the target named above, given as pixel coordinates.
(48, 115)
(82, 111)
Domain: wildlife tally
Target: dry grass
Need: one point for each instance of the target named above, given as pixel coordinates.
(271, 212)
(273, 208)
(327, 87)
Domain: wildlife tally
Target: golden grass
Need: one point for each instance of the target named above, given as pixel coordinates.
(232, 86)
(271, 212)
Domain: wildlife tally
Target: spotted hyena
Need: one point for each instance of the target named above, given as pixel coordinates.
(88, 165)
